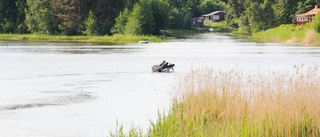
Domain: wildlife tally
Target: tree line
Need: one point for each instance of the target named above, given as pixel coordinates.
(140, 17)
(251, 16)
(101, 17)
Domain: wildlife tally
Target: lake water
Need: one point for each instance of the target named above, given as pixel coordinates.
(50, 89)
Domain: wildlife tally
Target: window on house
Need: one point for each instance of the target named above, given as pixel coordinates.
(300, 19)
(199, 20)
(216, 17)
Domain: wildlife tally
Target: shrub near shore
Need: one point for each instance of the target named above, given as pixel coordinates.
(235, 103)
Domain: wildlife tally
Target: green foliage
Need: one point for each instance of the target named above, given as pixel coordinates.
(133, 132)
(208, 6)
(67, 16)
(316, 23)
(283, 33)
(39, 20)
(305, 34)
(21, 16)
(160, 14)
(258, 15)
(235, 8)
(90, 24)
(129, 4)
(244, 28)
(254, 17)
(304, 6)
(141, 21)
(70, 16)
(12, 16)
(147, 22)
(269, 17)
(180, 19)
(134, 24)
(106, 12)
(121, 21)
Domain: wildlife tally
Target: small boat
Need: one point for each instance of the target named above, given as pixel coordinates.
(143, 42)
(157, 68)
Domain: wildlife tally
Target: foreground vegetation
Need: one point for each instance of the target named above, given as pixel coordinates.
(115, 39)
(235, 103)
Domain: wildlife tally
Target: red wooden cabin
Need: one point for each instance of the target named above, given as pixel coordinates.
(309, 16)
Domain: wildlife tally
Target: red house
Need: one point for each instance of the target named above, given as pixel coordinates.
(307, 17)
(199, 21)
(215, 16)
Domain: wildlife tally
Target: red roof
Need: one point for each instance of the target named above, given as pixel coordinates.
(314, 11)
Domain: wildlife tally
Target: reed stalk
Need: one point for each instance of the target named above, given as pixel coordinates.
(217, 103)
(236, 103)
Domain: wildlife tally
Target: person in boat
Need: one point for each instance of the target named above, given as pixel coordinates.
(170, 66)
(165, 65)
(162, 63)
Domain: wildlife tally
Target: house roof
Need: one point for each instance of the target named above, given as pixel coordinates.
(314, 11)
(213, 13)
(198, 18)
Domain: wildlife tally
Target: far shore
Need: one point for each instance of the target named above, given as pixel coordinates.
(109, 40)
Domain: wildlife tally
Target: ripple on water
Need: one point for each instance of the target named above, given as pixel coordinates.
(60, 100)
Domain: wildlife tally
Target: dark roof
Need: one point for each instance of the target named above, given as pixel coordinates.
(198, 18)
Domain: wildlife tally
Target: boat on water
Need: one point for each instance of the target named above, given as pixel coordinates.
(143, 42)
(158, 68)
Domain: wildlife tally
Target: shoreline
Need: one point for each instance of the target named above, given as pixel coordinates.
(108, 40)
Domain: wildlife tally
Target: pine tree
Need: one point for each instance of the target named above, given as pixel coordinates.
(90, 24)
(39, 18)
(134, 24)
(121, 21)
(141, 21)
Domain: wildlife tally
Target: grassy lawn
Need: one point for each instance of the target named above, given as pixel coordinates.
(218, 26)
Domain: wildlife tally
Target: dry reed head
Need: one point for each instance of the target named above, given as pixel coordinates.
(267, 104)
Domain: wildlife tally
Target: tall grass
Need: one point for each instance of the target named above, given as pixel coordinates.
(236, 103)
(233, 103)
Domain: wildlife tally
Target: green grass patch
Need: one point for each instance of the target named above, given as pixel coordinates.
(115, 39)
(288, 33)
(217, 26)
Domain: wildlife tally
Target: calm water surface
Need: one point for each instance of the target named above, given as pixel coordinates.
(49, 89)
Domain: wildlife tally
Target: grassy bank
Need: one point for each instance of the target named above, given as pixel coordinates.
(115, 39)
(218, 26)
(235, 103)
(288, 34)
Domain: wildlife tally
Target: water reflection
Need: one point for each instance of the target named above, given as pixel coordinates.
(71, 49)
(59, 100)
